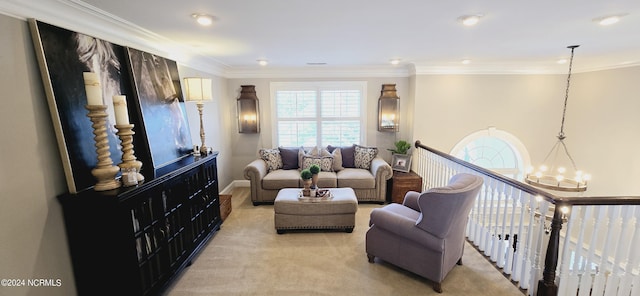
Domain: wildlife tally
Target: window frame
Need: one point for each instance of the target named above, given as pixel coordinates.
(519, 149)
(319, 86)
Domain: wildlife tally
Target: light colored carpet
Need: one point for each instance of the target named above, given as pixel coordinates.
(248, 257)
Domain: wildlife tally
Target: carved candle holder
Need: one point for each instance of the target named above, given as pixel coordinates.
(129, 160)
(105, 172)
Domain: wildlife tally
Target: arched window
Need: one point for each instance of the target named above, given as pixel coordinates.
(495, 150)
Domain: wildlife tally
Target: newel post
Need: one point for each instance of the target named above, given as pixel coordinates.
(547, 285)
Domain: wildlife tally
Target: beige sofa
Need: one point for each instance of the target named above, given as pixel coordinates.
(369, 184)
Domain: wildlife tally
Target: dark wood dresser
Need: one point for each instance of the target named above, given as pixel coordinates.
(137, 240)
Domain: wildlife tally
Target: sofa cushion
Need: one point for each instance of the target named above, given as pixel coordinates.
(289, 158)
(364, 156)
(356, 178)
(324, 162)
(279, 179)
(272, 157)
(348, 153)
(327, 180)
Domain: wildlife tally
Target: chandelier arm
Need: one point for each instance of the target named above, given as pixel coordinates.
(551, 151)
(566, 151)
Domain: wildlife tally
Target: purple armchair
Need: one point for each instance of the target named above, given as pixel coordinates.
(426, 234)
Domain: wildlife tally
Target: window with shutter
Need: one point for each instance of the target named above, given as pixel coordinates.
(318, 113)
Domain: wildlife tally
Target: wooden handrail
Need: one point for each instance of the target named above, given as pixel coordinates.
(550, 197)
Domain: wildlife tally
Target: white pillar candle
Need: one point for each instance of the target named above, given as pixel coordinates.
(120, 108)
(92, 88)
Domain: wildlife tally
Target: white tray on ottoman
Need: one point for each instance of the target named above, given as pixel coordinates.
(337, 212)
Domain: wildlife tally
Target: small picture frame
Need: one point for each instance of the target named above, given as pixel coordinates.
(401, 162)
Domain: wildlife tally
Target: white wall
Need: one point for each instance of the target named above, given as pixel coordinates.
(245, 146)
(33, 240)
(601, 125)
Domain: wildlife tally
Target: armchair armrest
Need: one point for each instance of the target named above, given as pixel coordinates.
(411, 200)
(403, 226)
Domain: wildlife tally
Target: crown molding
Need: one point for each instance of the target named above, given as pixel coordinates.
(504, 69)
(80, 17)
(491, 70)
(317, 72)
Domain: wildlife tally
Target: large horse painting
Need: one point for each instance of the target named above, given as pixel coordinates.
(63, 56)
(159, 99)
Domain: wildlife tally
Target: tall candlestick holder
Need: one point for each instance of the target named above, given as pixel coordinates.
(105, 172)
(129, 160)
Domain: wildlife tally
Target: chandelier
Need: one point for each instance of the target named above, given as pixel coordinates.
(554, 175)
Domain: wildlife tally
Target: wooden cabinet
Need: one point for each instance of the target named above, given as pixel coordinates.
(402, 182)
(136, 240)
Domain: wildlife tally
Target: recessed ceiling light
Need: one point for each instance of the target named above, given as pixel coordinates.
(394, 61)
(466, 61)
(263, 62)
(203, 19)
(470, 20)
(608, 20)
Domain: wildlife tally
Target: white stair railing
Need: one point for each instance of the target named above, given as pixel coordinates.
(547, 245)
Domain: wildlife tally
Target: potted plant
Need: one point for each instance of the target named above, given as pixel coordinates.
(306, 179)
(315, 170)
(402, 147)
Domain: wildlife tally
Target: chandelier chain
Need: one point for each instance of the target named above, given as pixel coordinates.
(566, 94)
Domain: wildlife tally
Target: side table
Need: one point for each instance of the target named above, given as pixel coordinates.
(403, 183)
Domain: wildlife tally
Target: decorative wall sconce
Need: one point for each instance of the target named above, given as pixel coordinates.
(248, 110)
(388, 109)
(199, 90)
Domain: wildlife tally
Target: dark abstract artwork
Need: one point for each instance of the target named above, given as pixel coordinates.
(63, 56)
(161, 105)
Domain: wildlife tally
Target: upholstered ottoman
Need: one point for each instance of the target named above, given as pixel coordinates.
(336, 213)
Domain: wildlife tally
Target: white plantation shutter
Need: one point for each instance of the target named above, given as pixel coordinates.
(318, 113)
(296, 104)
(341, 133)
(340, 103)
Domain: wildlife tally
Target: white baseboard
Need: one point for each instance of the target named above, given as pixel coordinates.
(234, 184)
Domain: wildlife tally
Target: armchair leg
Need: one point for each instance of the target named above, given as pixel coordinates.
(437, 287)
(459, 261)
(370, 258)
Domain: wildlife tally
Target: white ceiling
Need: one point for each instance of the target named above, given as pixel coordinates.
(356, 35)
